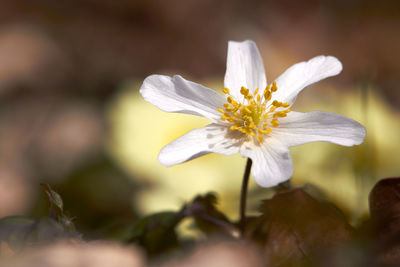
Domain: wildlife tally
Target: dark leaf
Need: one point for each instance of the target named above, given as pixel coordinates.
(20, 232)
(384, 202)
(96, 193)
(295, 227)
(208, 218)
(156, 233)
(13, 230)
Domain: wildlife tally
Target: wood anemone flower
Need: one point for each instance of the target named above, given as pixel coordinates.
(253, 118)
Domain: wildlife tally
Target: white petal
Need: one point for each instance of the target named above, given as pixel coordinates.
(300, 128)
(244, 67)
(271, 162)
(303, 74)
(175, 94)
(212, 138)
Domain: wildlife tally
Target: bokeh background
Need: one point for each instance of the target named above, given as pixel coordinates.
(71, 114)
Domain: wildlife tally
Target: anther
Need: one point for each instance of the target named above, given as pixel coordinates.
(267, 95)
(244, 91)
(274, 87)
(225, 90)
(280, 114)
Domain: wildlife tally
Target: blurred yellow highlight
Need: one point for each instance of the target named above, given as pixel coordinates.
(139, 131)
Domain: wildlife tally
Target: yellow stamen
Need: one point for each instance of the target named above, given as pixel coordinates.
(256, 114)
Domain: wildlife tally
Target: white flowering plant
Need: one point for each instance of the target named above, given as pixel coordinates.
(254, 118)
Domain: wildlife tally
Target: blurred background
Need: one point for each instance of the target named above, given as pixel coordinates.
(71, 115)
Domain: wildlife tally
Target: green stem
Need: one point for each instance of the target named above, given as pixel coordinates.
(243, 196)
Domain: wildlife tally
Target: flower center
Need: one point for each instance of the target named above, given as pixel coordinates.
(255, 115)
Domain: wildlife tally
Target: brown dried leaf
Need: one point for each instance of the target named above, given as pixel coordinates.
(297, 227)
(384, 202)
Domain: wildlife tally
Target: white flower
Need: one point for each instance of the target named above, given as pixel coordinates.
(254, 118)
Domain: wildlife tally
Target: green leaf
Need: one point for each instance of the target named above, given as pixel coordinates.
(54, 198)
(156, 233)
(57, 208)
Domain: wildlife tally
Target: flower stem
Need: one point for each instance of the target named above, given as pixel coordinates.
(243, 196)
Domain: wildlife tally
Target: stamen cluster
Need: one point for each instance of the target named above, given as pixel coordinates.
(255, 115)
